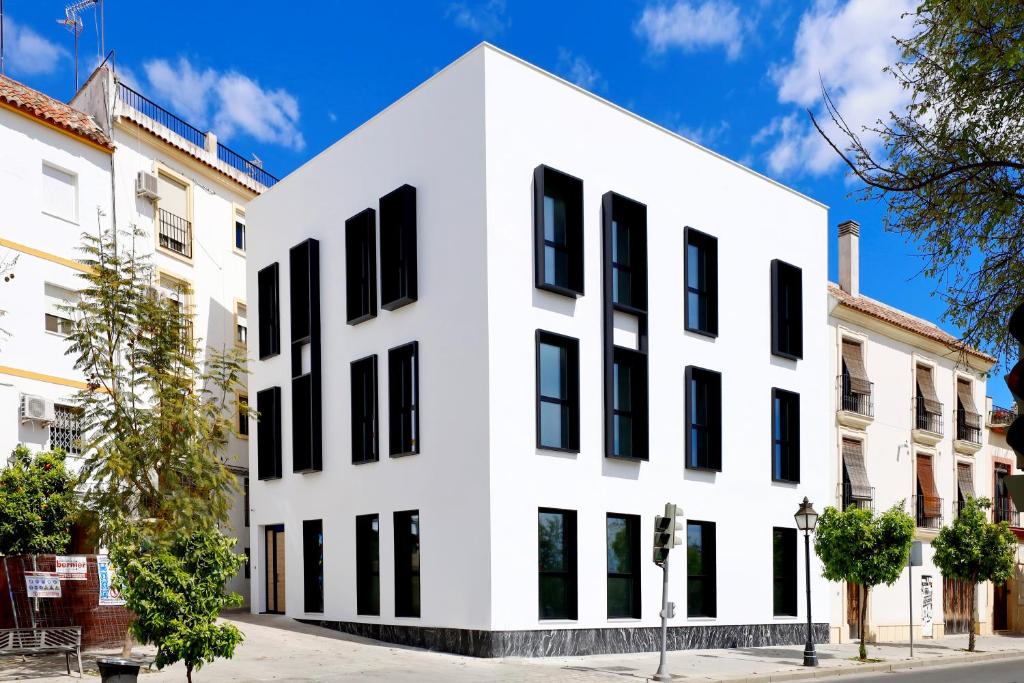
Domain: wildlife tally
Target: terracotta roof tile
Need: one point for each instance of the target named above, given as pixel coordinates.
(905, 321)
(52, 111)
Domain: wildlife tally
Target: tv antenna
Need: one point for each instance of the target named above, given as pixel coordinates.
(73, 22)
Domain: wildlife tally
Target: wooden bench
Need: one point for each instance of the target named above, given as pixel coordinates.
(37, 641)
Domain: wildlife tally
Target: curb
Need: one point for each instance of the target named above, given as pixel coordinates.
(858, 669)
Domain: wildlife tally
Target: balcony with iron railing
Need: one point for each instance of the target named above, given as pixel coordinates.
(192, 135)
(844, 492)
(1003, 510)
(928, 427)
(968, 432)
(1000, 418)
(854, 409)
(927, 511)
(175, 233)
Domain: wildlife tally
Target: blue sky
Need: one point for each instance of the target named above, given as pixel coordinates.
(286, 80)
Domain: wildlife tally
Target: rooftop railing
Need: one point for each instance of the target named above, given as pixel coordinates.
(249, 168)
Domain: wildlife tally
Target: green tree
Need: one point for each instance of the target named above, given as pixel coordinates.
(176, 590)
(952, 168)
(857, 547)
(38, 503)
(975, 550)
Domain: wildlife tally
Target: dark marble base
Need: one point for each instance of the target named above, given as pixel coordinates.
(583, 641)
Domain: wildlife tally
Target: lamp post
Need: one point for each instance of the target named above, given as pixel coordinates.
(806, 520)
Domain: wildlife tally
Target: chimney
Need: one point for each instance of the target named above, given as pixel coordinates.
(849, 257)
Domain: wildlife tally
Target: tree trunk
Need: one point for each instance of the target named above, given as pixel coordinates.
(860, 618)
(974, 618)
(126, 649)
(188, 672)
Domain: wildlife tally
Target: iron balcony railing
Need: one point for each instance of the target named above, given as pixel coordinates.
(845, 495)
(1004, 511)
(964, 430)
(927, 511)
(926, 420)
(1000, 418)
(190, 133)
(175, 233)
(852, 402)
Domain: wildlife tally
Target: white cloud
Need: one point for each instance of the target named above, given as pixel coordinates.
(692, 26)
(488, 18)
(578, 70)
(845, 46)
(26, 52)
(230, 102)
(704, 135)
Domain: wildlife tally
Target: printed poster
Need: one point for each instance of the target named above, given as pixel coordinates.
(108, 594)
(42, 584)
(927, 594)
(72, 567)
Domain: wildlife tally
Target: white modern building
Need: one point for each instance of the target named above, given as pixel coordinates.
(498, 327)
(112, 157)
(911, 426)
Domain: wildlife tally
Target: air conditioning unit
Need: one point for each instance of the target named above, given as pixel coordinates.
(36, 408)
(145, 186)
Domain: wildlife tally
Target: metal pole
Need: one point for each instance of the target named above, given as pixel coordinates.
(910, 594)
(661, 674)
(810, 656)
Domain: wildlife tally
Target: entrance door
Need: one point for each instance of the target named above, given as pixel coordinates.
(852, 608)
(956, 605)
(999, 608)
(273, 566)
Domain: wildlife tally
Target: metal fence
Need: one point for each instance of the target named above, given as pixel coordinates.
(852, 402)
(249, 168)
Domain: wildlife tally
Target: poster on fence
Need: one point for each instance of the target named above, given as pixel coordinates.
(108, 594)
(72, 567)
(42, 584)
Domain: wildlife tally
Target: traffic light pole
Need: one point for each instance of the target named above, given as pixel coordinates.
(663, 675)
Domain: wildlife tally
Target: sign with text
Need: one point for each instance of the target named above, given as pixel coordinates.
(72, 567)
(108, 594)
(42, 584)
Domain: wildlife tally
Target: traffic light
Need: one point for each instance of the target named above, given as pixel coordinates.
(665, 528)
(1015, 432)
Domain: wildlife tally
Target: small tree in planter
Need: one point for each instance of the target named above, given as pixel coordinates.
(975, 550)
(857, 547)
(38, 504)
(175, 586)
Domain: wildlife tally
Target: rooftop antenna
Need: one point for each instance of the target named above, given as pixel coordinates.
(73, 23)
(256, 161)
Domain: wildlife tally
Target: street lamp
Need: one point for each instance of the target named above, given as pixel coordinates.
(806, 520)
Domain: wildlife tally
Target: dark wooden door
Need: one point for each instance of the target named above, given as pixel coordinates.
(852, 606)
(956, 605)
(273, 566)
(999, 608)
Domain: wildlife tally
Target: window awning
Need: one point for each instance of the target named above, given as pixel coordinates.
(853, 357)
(965, 480)
(926, 482)
(930, 399)
(970, 411)
(856, 472)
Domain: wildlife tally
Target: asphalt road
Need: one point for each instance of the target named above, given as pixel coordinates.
(998, 671)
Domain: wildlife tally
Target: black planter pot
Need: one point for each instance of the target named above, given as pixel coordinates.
(117, 670)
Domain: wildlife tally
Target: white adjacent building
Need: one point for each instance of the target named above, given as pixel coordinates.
(497, 327)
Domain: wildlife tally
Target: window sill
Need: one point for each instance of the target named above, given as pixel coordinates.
(702, 333)
(56, 334)
(174, 255)
(72, 221)
(270, 355)
(786, 617)
(558, 621)
(776, 480)
(240, 252)
(702, 619)
(243, 437)
(624, 620)
(626, 458)
(703, 469)
(368, 461)
(360, 319)
(403, 454)
(787, 356)
(310, 470)
(397, 303)
(278, 478)
(631, 310)
(562, 291)
(556, 449)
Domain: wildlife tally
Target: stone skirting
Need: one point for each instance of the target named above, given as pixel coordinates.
(582, 641)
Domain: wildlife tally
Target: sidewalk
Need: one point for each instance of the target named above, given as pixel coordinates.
(279, 649)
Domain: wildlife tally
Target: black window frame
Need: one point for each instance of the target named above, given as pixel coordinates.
(632, 216)
(551, 182)
(638, 412)
(707, 578)
(407, 569)
(707, 280)
(787, 469)
(243, 415)
(398, 267)
(707, 385)
(568, 574)
(786, 295)
(631, 578)
(306, 395)
(313, 565)
(784, 572)
(361, 267)
(404, 400)
(571, 402)
(268, 434)
(269, 310)
(364, 415)
(247, 567)
(368, 565)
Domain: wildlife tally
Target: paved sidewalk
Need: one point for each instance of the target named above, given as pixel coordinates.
(280, 649)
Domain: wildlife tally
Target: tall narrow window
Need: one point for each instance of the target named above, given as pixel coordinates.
(629, 267)
(556, 563)
(404, 399)
(60, 193)
(701, 591)
(407, 563)
(313, 565)
(368, 565)
(787, 310)
(268, 433)
(361, 267)
(623, 538)
(66, 429)
(784, 575)
(245, 498)
(307, 408)
(703, 419)
(701, 283)
(241, 324)
(240, 230)
(398, 285)
(174, 216)
(785, 436)
(58, 302)
(558, 231)
(629, 404)
(269, 311)
(364, 409)
(243, 415)
(558, 380)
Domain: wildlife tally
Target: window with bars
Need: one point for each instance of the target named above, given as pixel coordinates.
(66, 429)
